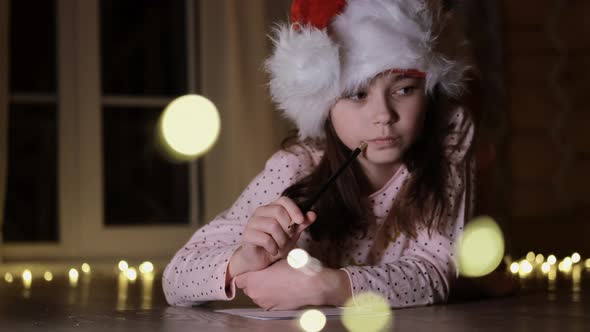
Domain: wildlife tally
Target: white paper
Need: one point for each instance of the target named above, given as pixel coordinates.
(259, 313)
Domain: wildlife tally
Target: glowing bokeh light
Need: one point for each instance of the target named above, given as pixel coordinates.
(565, 265)
(297, 258)
(514, 267)
(525, 266)
(551, 260)
(146, 267)
(587, 264)
(123, 266)
(481, 247)
(545, 268)
(85, 268)
(27, 278)
(73, 277)
(530, 256)
(190, 125)
(367, 312)
(312, 321)
(539, 259)
(131, 274)
(8, 277)
(48, 276)
(576, 257)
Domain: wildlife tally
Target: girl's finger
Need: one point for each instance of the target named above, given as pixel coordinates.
(272, 227)
(260, 239)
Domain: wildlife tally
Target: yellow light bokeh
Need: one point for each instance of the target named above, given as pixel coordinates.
(551, 260)
(312, 320)
(514, 267)
(8, 277)
(131, 274)
(540, 258)
(190, 125)
(146, 267)
(73, 277)
(525, 266)
(530, 256)
(576, 257)
(480, 248)
(48, 276)
(123, 266)
(587, 264)
(85, 268)
(27, 278)
(545, 268)
(565, 265)
(297, 258)
(367, 312)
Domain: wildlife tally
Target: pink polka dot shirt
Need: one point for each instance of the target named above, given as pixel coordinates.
(406, 272)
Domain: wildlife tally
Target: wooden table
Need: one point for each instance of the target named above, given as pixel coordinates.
(99, 302)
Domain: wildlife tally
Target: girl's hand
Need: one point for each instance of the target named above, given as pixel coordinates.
(267, 236)
(281, 287)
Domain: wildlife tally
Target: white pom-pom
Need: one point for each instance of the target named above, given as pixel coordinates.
(305, 76)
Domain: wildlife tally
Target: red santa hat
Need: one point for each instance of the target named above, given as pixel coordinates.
(333, 47)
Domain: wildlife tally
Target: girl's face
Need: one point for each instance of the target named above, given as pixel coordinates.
(388, 115)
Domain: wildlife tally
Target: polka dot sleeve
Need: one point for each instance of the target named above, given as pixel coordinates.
(196, 273)
(424, 271)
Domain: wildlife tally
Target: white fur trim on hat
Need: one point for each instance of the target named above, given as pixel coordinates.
(310, 70)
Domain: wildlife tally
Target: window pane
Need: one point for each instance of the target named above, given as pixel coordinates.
(143, 46)
(141, 186)
(31, 200)
(32, 46)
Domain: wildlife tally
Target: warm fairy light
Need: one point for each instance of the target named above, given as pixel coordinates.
(190, 125)
(27, 278)
(367, 312)
(73, 274)
(551, 260)
(514, 267)
(587, 264)
(131, 274)
(545, 267)
(85, 268)
(146, 267)
(576, 257)
(540, 258)
(530, 256)
(297, 258)
(312, 320)
(123, 266)
(565, 265)
(481, 247)
(525, 266)
(8, 277)
(48, 276)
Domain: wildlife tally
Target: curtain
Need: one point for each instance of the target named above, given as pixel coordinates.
(4, 94)
(233, 45)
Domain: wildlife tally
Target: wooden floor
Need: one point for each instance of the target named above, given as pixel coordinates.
(104, 301)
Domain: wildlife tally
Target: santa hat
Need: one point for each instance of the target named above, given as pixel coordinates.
(333, 47)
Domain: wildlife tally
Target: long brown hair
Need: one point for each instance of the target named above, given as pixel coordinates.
(344, 210)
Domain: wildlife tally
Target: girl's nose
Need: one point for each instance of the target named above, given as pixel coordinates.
(383, 111)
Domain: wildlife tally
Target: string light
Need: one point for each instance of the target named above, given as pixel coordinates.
(146, 267)
(8, 277)
(48, 276)
(297, 258)
(530, 256)
(576, 257)
(514, 267)
(551, 260)
(587, 264)
(123, 266)
(131, 274)
(85, 268)
(539, 259)
(27, 278)
(545, 268)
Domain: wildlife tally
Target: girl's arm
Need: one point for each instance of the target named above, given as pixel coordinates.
(198, 271)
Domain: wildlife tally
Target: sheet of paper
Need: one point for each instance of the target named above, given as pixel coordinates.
(259, 313)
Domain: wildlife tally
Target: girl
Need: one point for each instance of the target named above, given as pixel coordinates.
(385, 72)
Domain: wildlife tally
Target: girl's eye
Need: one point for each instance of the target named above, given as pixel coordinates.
(358, 96)
(405, 91)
